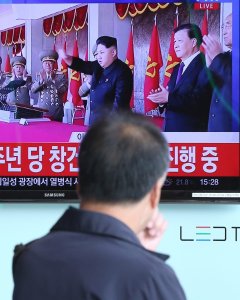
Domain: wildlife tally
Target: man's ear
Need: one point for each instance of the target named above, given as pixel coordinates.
(114, 52)
(155, 192)
(194, 42)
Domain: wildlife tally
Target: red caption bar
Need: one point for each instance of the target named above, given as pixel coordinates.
(60, 159)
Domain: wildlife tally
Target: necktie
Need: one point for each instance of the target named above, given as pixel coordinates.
(180, 71)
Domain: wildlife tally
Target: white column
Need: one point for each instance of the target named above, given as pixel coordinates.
(34, 44)
(103, 20)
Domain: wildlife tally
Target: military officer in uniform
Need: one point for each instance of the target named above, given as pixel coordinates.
(1, 73)
(21, 94)
(4, 78)
(51, 86)
(112, 80)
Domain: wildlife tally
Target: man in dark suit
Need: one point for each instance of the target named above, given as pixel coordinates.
(112, 81)
(187, 105)
(222, 117)
(103, 251)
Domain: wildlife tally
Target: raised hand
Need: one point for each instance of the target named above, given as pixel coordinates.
(24, 75)
(212, 47)
(152, 234)
(63, 55)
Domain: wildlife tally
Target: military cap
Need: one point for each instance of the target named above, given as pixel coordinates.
(18, 60)
(48, 55)
(0, 60)
(107, 41)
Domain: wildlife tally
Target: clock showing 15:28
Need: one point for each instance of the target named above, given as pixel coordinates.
(209, 181)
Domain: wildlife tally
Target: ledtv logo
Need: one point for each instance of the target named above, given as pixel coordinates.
(210, 234)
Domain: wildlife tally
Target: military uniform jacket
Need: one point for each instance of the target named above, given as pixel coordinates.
(111, 88)
(3, 82)
(21, 94)
(51, 94)
(92, 256)
(2, 78)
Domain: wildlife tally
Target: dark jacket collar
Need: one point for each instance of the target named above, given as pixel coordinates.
(84, 221)
(77, 220)
(107, 70)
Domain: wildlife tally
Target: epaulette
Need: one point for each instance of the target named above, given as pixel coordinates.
(58, 72)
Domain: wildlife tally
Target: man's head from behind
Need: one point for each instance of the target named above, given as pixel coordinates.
(106, 50)
(121, 158)
(187, 40)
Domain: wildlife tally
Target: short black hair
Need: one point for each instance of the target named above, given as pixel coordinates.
(107, 41)
(121, 158)
(193, 32)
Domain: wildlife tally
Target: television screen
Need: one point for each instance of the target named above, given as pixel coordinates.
(38, 152)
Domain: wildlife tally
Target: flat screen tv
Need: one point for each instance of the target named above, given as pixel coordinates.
(38, 157)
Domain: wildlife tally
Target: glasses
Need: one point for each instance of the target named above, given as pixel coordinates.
(227, 26)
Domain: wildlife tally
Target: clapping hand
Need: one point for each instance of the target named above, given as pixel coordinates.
(212, 48)
(25, 74)
(13, 75)
(159, 95)
(43, 76)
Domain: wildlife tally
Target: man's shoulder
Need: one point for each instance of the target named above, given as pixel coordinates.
(155, 278)
(199, 60)
(223, 57)
(29, 78)
(122, 64)
(222, 63)
(59, 74)
(122, 68)
(59, 77)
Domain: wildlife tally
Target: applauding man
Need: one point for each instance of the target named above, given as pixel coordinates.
(51, 86)
(222, 116)
(187, 105)
(21, 94)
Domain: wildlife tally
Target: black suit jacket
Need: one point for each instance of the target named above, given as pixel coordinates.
(111, 88)
(222, 117)
(188, 103)
(92, 256)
